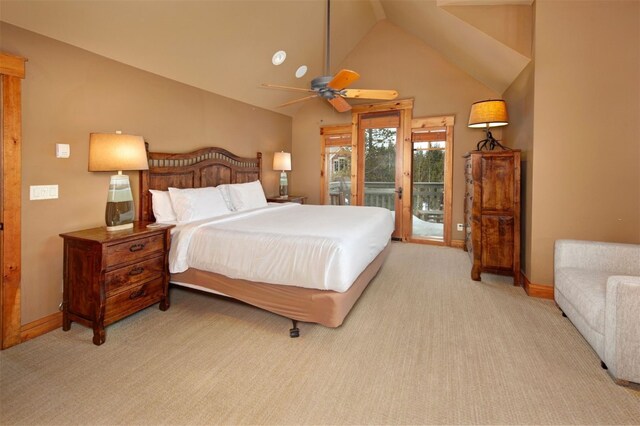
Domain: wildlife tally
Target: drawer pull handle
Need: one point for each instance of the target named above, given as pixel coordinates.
(136, 271)
(139, 293)
(136, 247)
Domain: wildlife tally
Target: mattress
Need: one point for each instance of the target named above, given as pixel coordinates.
(309, 246)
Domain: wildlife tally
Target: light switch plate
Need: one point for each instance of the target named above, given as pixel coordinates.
(43, 192)
(63, 150)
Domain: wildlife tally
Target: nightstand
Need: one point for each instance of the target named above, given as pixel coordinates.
(110, 275)
(288, 199)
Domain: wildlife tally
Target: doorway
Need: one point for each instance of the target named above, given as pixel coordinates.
(380, 163)
(336, 154)
(387, 159)
(431, 147)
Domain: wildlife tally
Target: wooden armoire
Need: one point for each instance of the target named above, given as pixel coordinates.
(492, 212)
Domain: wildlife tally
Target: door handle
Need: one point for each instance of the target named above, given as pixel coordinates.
(399, 192)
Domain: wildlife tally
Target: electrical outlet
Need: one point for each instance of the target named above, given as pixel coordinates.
(460, 227)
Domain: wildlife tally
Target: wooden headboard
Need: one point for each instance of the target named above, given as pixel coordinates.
(197, 169)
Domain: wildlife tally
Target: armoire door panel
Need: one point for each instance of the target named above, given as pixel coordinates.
(497, 183)
(497, 242)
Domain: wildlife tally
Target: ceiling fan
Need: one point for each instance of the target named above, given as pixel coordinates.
(334, 88)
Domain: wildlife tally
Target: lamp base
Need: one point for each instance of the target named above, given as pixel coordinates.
(120, 211)
(120, 227)
(490, 143)
(283, 185)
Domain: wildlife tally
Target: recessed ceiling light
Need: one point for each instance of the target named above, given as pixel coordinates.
(278, 57)
(301, 71)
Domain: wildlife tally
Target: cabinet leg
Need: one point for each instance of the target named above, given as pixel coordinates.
(517, 282)
(165, 303)
(66, 322)
(475, 274)
(99, 335)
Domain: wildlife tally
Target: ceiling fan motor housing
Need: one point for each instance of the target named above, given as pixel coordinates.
(319, 84)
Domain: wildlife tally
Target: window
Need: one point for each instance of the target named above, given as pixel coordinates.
(336, 152)
(341, 163)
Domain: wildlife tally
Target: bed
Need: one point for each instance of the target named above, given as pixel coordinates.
(203, 257)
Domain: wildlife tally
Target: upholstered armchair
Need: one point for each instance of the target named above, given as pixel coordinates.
(597, 286)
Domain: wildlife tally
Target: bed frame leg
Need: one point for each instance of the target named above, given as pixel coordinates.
(295, 331)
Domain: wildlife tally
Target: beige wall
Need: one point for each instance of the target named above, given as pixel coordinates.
(510, 24)
(586, 179)
(520, 101)
(390, 58)
(69, 93)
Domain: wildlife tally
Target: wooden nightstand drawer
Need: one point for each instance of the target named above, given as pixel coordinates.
(132, 300)
(134, 273)
(133, 249)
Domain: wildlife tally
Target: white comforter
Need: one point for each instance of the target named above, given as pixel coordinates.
(321, 247)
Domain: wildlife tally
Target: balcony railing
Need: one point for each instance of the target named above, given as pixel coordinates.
(427, 198)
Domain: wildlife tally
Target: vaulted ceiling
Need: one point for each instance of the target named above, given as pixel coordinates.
(225, 46)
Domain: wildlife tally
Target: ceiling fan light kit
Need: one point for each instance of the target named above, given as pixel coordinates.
(333, 88)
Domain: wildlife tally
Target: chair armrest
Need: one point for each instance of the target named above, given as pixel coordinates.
(622, 327)
(621, 259)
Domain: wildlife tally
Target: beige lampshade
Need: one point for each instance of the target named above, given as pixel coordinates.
(110, 152)
(282, 161)
(489, 113)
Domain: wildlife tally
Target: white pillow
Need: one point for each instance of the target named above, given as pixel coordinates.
(197, 203)
(246, 196)
(161, 205)
(224, 189)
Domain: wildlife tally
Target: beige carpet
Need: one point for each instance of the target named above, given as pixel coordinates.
(424, 345)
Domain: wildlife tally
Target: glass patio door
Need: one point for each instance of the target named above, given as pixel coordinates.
(380, 171)
(431, 146)
(428, 189)
(388, 159)
(337, 153)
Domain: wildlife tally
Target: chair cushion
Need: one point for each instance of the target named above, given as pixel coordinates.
(586, 291)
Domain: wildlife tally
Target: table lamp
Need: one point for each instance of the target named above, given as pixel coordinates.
(282, 162)
(110, 152)
(486, 114)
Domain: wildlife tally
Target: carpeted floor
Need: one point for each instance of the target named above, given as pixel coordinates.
(424, 345)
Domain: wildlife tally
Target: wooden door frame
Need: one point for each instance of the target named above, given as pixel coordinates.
(12, 71)
(446, 121)
(325, 131)
(405, 107)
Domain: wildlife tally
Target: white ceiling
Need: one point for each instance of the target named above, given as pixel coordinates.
(225, 46)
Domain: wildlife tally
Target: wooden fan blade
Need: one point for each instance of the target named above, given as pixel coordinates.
(275, 86)
(370, 94)
(295, 101)
(343, 79)
(340, 104)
